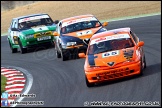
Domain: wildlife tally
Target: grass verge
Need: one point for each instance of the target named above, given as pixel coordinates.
(3, 83)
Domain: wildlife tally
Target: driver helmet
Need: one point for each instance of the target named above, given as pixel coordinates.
(101, 45)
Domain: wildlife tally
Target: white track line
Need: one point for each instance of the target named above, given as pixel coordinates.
(2, 70)
(15, 77)
(14, 81)
(12, 74)
(4, 73)
(14, 85)
(15, 89)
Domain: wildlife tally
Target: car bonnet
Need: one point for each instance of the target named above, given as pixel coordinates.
(83, 34)
(38, 29)
(111, 58)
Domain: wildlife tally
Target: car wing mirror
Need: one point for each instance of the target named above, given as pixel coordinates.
(141, 43)
(14, 29)
(56, 21)
(104, 24)
(82, 55)
(55, 33)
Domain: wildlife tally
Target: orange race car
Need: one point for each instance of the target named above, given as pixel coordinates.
(113, 54)
(72, 35)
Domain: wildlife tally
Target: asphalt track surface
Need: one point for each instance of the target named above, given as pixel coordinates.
(61, 84)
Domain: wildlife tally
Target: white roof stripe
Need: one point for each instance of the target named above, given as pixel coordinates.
(78, 20)
(102, 39)
(33, 18)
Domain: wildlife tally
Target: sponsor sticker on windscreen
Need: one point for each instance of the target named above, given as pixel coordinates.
(33, 18)
(78, 20)
(113, 37)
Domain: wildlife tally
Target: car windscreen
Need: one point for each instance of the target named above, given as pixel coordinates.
(80, 26)
(110, 45)
(28, 23)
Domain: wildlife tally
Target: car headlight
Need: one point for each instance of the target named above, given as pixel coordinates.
(29, 36)
(70, 43)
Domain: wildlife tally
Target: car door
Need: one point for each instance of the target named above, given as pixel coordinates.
(9, 30)
(58, 39)
(13, 32)
(136, 39)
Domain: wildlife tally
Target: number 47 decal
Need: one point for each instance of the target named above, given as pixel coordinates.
(84, 33)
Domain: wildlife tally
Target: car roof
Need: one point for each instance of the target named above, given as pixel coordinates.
(77, 17)
(30, 15)
(111, 32)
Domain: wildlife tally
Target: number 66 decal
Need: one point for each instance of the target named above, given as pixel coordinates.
(112, 53)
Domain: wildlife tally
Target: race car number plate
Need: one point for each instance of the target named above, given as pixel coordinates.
(44, 38)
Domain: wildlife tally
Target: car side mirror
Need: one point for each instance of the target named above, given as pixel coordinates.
(14, 29)
(104, 24)
(56, 21)
(141, 43)
(82, 55)
(55, 34)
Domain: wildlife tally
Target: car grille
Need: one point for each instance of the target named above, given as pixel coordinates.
(112, 75)
(48, 33)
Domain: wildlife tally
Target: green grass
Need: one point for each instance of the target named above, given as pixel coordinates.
(3, 83)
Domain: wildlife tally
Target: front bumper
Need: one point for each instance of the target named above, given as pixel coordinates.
(111, 74)
(31, 43)
(75, 49)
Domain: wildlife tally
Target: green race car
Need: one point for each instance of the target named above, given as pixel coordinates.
(31, 31)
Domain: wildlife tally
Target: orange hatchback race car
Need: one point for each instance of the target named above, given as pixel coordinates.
(113, 54)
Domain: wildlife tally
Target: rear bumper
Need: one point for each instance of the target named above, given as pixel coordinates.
(111, 74)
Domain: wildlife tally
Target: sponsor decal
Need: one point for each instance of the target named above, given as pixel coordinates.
(33, 18)
(128, 54)
(100, 39)
(91, 60)
(37, 29)
(84, 33)
(113, 37)
(111, 63)
(86, 41)
(111, 53)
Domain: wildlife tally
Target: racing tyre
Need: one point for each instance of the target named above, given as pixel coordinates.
(88, 84)
(22, 50)
(63, 56)
(85, 51)
(144, 62)
(141, 69)
(14, 50)
(58, 55)
(51, 44)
